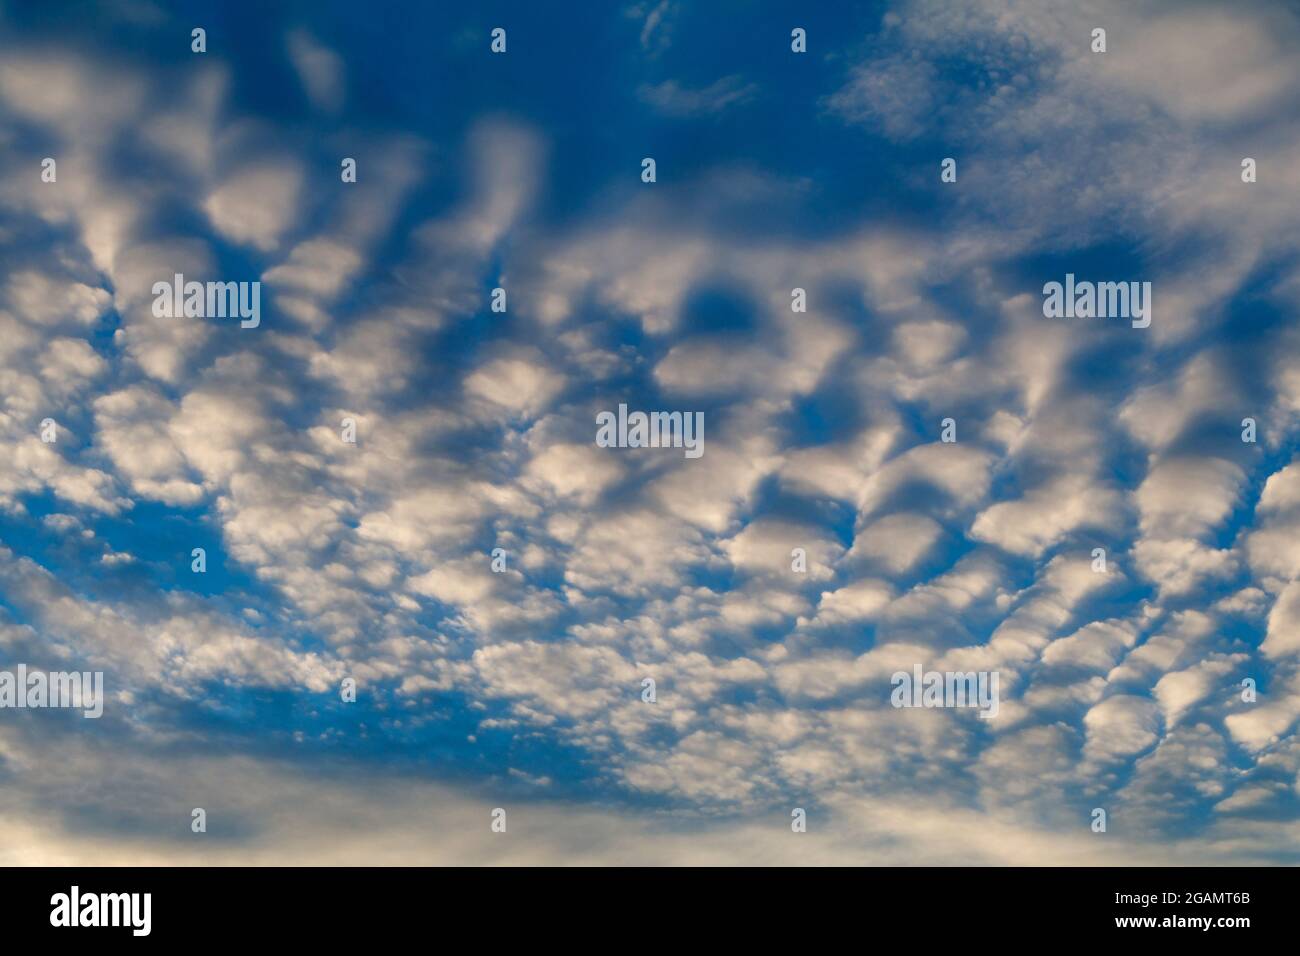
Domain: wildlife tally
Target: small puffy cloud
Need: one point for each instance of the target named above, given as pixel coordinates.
(1034, 522)
(1096, 647)
(1121, 726)
(523, 383)
(256, 204)
(320, 70)
(765, 548)
(1179, 691)
(859, 601)
(580, 471)
(897, 542)
(1283, 639)
(1187, 497)
(41, 299)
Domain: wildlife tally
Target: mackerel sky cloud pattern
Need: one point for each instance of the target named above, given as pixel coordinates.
(947, 454)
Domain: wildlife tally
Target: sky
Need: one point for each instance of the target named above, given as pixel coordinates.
(521, 688)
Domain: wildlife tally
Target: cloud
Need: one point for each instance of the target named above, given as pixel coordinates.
(256, 205)
(475, 431)
(656, 24)
(675, 100)
(896, 94)
(521, 383)
(1120, 726)
(320, 70)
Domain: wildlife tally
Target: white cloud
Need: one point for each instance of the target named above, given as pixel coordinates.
(320, 70)
(676, 100)
(256, 204)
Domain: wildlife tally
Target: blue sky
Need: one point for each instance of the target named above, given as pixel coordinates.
(775, 170)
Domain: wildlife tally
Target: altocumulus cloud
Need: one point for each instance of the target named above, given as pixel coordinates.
(362, 573)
